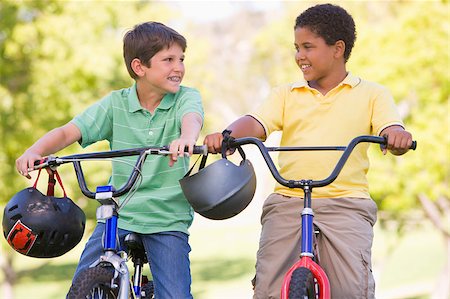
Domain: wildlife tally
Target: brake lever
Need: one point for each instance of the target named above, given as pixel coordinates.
(47, 162)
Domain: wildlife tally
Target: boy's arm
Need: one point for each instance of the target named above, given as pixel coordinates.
(398, 140)
(52, 142)
(191, 124)
(246, 126)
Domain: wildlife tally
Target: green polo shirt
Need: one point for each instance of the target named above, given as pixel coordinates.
(158, 204)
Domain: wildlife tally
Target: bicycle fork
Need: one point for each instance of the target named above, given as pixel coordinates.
(108, 211)
(307, 252)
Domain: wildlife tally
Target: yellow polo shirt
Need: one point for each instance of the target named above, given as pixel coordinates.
(308, 118)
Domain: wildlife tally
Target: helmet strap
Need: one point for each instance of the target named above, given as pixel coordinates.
(201, 166)
(51, 182)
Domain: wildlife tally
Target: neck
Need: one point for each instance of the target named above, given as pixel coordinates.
(325, 84)
(149, 99)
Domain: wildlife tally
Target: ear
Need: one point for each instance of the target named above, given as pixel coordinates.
(137, 67)
(339, 47)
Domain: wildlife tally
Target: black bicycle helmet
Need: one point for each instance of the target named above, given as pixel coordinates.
(222, 189)
(42, 226)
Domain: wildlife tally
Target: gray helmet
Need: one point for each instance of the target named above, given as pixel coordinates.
(222, 189)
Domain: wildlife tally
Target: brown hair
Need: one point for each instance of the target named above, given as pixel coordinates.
(147, 39)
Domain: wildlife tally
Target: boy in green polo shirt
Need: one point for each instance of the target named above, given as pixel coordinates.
(329, 107)
(155, 111)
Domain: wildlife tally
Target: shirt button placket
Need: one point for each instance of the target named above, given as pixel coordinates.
(150, 132)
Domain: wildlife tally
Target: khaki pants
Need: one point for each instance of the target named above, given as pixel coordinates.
(344, 243)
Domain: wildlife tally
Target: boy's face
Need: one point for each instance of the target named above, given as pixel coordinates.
(315, 58)
(166, 70)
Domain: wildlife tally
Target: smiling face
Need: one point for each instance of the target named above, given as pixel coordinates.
(316, 59)
(165, 71)
(323, 65)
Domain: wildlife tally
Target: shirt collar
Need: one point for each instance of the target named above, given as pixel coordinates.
(350, 80)
(133, 100)
(134, 104)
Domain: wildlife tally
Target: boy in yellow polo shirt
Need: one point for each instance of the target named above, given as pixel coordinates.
(329, 107)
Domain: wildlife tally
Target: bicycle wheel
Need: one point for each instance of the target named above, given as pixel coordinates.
(302, 284)
(93, 283)
(148, 290)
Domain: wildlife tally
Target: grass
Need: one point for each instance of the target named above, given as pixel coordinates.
(223, 258)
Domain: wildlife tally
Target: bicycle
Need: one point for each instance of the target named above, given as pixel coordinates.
(306, 279)
(109, 276)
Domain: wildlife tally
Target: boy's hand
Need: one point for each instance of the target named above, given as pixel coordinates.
(177, 148)
(398, 140)
(26, 161)
(214, 142)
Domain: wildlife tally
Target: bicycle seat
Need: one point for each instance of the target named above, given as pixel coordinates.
(135, 247)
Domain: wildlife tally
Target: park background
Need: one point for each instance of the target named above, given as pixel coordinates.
(58, 57)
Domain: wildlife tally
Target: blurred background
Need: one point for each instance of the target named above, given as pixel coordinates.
(58, 57)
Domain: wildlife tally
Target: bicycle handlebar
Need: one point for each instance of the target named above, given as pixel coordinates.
(309, 183)
(53, 162)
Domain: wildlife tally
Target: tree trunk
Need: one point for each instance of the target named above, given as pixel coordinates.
(439, 213)
(8, 273)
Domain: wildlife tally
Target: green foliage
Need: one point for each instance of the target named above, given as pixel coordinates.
(414, 52)
(58, 57)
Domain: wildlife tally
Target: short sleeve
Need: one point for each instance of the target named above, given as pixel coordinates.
(189, 101)
(95, 123)
(271, 112)
(385, 112)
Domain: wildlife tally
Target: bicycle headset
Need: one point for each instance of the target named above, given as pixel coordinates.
(222, 189)
(42, 226)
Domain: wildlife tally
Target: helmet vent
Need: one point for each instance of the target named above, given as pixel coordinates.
(56, 207)
(65, 239)
(52, 237)
(13, 208)
(16, 217)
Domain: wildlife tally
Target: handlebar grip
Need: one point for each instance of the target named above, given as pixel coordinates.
(200, 149)
(383, 145)
(39, 164)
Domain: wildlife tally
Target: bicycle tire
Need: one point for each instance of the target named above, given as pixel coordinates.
(302, 284)
(93, 283)
(148, 290)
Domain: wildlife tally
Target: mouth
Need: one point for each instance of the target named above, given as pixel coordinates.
(175, 79)
(305, 67)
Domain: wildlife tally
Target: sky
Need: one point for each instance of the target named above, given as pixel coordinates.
(204, 11)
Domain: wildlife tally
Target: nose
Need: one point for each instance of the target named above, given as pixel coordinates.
(299, 55)
(179, 67)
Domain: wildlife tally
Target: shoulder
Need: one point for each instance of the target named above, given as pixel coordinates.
(370, 86)
(124, 99)
(285, 89)
(187, 95)
(188, 92)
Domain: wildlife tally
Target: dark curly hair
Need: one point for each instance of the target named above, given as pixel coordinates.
(332, 23)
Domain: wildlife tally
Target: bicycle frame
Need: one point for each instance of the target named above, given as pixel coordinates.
(108, 209)
(307, 253)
